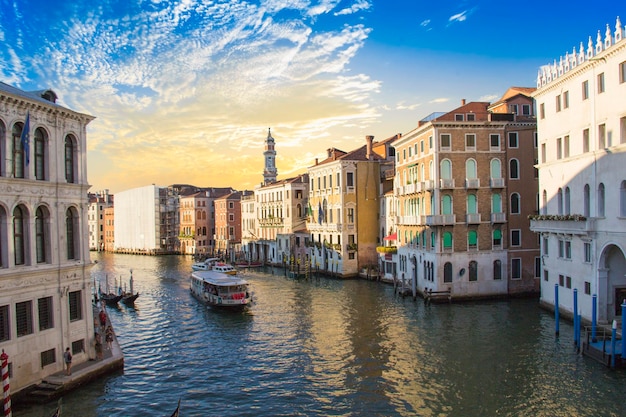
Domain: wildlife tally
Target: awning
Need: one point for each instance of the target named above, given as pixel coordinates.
(393, 236)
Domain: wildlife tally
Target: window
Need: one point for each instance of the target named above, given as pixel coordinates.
(559, 148)
(495, 168)
(473, 271)
(602, 136)
(447, 272)
(587, 287)
(44, 307)
(350, 179)
(622, 199)
(231, 217)
(497, 269)
(19, 229)
(543, 152)
(622, 129)
(78, 346)
(586, 201)
(76, 309)
(458, 118)
(566, 99)
(350, 215)
(587, 250)
(545, 275)
(40, 235)
(558, 103)
(18, 151)
(566, 146)
(622, 72)
(585, 89)
(470, 169)
(526, 109)
(515, 203)
(470, 141)
(472, 204)
(513, 143)
(446, 204)
(601, 200)
(471, 117)
(516, 237)
(586, 140)
(5, 329)
(561, 280)
(48, 357)
(514, 169)
(566, 201)
(497, 238)
(542, 111)
(69, 234)
(516, 268)
(568, 249)
(447, 241)
(568, 282)
(472, 239)
(24, 318)
(513, 108)
(537, 267)
(494, 141)
(70, 157)
(40, 154)
(545, 246)
(561, 248)
(446, 169)
(601, 83)
(446, 140)
(496, 203)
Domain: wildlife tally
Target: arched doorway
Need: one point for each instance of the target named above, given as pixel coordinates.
(612, 266)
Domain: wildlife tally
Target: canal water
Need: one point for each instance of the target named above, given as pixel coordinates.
(327, 347)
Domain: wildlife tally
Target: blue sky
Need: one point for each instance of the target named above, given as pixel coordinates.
(184, 91)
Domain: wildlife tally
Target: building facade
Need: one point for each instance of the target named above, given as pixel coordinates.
(228, 225)
(98, 202)
(582, 180)
(457, 199)
(45, 297)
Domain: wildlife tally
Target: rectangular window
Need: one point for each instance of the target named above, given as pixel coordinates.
(526, 109)
(561, 280)
(513, 143)
(622, 130)
(568, 282)
(568, 249)
(542, 111)
(561, 249)
(421, 146)
(471, 117)
(78, 346)
(494, 141)
(566, 146)
(48, 357)
(350, 179)
(516, 237)
(559, 148)
(537, 267)
(622, 72)
(587, 249)
(545, 275)
(586, 140)
(231, 205)
(5, 329)
(45, 313)
(470, 141)
(545, 246)
(24, 318)
(585, 87)
(458, 117)
(231, 217)
(76, 309)
(587, 287)
(543, 152)
(446, 140)
(350, 215)
(600, 83)
(602, 136)
(558, 103)
(516, 268)
(430, 142)
(566, 99)
(513, 108)
(351, 255)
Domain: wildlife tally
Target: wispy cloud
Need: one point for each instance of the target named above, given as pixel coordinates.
(193, 86)
(439, 100)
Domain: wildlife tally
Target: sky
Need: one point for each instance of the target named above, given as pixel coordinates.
(184, 92)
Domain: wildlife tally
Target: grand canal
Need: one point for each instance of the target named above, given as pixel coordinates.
(327, 347)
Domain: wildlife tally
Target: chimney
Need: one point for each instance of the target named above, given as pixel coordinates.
(329, 152)
(368, 149)
(462, 102)
(315, 161)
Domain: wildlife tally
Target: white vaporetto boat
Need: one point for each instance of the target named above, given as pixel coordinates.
(220, 290)
(213, 264)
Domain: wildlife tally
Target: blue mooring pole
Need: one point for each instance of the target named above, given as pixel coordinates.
(576, 324)
(579, 318)
(613, 342)
(556, 309)
(623, 330)
(594, 304)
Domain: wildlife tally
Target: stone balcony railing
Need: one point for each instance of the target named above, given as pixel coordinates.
(567, 224)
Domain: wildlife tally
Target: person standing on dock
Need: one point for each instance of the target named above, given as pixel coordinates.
(67, 356)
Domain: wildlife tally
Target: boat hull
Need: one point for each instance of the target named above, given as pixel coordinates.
(220, 290)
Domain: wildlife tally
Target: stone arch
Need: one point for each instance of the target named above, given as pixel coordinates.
(612, 281)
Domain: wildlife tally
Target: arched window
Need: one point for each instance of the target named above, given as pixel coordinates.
(514, 169)
(473, 271)
(431, 172)
(566, 202)
(446, 169)
(299, 210)
(515, 203)
(622, 199)
(601, 200)
(447, 272)
(544, 203)
(559, 201)
(71, 233)
(41, 234)
(495, 168)
(3, 132)
(17, 151)
(472, 239)
(325, 210)
(70, 159)
(446, 204)
(470, 169)
(497, 269)
(586, 201)
(40, 155)
(447, 241)
(471, 204)
(19, 235)
(496, 203)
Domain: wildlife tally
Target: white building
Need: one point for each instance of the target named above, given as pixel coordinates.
(45, 297)
(146, 220)
(582, 180)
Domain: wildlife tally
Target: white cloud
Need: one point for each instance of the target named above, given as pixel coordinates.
(459, 17)
(356, 6)
(439, 100)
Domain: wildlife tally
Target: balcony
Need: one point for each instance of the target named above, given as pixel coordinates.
(471, 183)
(428, 185)
(409, 189)
(446, 183)
(566, 224)
(440, 220)
(496, 182)
(498, 218)
(271, 222)
(472, 218)
(400, 190)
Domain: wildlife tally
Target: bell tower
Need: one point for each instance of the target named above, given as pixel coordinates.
(270, 172)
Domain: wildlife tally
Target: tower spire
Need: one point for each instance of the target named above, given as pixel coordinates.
(270, 171)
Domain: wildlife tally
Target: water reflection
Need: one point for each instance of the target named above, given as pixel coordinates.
(329, 347)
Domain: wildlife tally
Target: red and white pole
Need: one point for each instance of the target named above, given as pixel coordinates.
(6, 391)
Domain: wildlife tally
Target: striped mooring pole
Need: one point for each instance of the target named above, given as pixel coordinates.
(6, 391)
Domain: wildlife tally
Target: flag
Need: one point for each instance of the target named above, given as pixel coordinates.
(24, 138)
(175, 414)
(320, 213)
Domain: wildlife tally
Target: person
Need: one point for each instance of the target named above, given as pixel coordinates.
(98, 346)
(67, 356)
(109, 337)
(103, 318)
